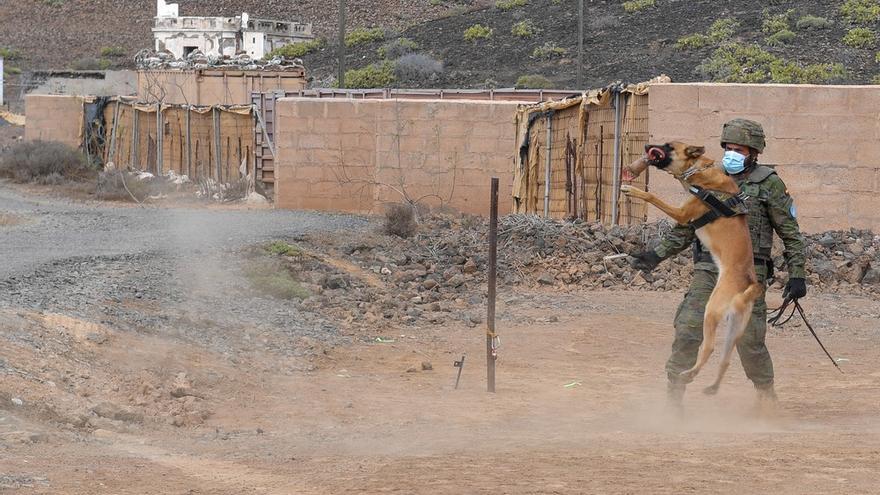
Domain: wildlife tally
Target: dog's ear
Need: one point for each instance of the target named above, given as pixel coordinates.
(694, 151)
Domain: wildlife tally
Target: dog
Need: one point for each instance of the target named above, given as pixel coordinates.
(726, 237)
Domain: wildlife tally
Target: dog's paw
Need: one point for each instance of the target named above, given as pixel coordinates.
(711, 390)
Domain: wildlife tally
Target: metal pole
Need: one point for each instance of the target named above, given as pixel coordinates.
(491, 349)
(341, 75)
(188, 142)
(615, 167)
(580, 62)
(549, 148)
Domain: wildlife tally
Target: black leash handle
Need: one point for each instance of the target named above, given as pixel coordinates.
(776, 316)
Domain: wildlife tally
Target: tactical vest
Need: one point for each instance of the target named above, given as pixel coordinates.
(757, 202)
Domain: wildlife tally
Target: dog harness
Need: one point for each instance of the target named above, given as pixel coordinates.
(729, 207)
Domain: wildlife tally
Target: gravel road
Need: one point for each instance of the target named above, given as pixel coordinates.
(150, 269)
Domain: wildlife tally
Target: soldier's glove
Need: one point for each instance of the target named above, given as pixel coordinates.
(645, 261)
(795, 288)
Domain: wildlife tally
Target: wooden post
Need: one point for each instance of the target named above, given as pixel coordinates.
(111, 153)
(491, 350)
(188, 143)
(615, 165)
(159, 136)
(547, 173)
(341, 45)
(217, 148)
(135, 139)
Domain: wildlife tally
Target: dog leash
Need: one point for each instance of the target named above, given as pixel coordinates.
(775, 315)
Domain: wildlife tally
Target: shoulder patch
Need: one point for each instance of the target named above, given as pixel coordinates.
(793, 211)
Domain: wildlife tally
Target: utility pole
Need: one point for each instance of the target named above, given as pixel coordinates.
(341, 76)
(580, 62)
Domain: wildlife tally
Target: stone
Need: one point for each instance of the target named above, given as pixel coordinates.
(456, 280)
(872, 277)
(469, 267)
(427, 366)
(429, 284)
(546, 279)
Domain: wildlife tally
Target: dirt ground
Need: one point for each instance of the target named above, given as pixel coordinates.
(579, 408)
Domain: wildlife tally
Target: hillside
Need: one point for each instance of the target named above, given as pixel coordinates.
(618, 44)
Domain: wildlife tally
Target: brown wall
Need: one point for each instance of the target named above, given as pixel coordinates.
(214, 87)
(350, 155)
(825, 141)
(53, 118)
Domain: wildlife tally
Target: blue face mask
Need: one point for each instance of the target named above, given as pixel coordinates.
(733, 162)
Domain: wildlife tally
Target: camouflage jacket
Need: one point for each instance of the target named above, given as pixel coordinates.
(771, 209)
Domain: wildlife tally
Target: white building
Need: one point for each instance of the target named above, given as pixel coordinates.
(220, 36)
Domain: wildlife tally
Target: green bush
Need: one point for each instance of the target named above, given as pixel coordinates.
(478, 31)
(875, 79)
(510, 4)
(9, 53)
(54, 3)
(773, 23)
(371, 76)
(780, 38)
(534, 81)
(722, 29)
(637, 5)
(524, 29)
(361, 35)
(860, 38)
(397, 48)
(860, 11)
(692, 41)
(281, 248)
(112, 51)
(810, 22)
(11, 70)
(295, 50)
(548, 50)
(735, 62)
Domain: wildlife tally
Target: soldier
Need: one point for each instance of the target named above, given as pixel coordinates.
(770, 209)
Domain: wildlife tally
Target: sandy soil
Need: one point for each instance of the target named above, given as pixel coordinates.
(358, 422)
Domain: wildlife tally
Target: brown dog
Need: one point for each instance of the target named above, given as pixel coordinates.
(726, 237)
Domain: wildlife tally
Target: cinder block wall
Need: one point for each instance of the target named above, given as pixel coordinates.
(53, 118)
(359, 155)
(824, 140)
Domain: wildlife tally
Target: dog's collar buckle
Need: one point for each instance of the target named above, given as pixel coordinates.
(687, 174)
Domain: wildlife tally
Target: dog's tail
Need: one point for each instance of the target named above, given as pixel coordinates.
(736, 319)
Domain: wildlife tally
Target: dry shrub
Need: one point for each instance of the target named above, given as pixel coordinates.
(400, 220)
(417, 69)
(112, 186)
(46, 162)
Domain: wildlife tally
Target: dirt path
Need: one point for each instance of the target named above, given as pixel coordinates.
(360, 423)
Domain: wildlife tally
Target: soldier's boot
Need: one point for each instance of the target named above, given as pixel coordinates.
(675, 396)
(767, 400)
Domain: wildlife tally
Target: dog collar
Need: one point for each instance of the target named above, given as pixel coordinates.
(687, 174)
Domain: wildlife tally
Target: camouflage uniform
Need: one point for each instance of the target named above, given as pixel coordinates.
(770, 209)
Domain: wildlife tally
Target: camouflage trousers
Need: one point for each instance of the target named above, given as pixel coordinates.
(752, 350)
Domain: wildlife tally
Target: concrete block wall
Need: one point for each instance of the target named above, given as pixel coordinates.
(53, 118)
(357, 155)
(824, 141)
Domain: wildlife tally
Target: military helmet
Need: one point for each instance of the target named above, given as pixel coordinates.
(743, 132)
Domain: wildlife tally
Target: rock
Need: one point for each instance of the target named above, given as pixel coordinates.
(469, 267)
(17, 401)
(110, 410)
(872, 277)
(429, 284)
(451, 272)
(597, 268)
(411, 369)
(456, 280)
(385, 270)
(639, 280)
(546, 279)
(427, 366)
(335, 282)
(476, 318)
(97, 338)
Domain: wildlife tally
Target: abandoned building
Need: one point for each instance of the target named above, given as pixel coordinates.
(219, 36)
